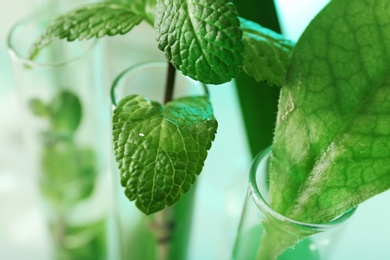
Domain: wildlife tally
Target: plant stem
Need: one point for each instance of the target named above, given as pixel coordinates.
(163, 223)
(170, 83)
(279, 236)
(162, 227)
(172, 226)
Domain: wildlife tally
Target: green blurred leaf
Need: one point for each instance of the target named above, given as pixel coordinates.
(93, 20)
(266, 54)
(160, 150)
(68, 172)
(200, 38)
(146, 7)
(83, 242)
(65, 112)
(38, 108)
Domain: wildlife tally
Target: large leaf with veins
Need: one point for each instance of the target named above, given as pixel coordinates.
(332, 142)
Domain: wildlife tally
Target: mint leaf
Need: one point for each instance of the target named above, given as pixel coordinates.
(93, 20)
(149, 10)
(160, 150)
(146, 7)
(331, 146)
(266, 54)
(65, 112)
(38, 108)
(69, 172)
(87, 241)
(202, 38)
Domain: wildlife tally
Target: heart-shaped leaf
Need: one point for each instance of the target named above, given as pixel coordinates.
(161, 149)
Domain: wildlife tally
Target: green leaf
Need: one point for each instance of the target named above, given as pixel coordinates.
(80, 242)
(93, 20)
(146, 7)
(150, 10)
(65, 112)
(38, 108)
(201, 38)
(331, 147)
(160, 150)
(69, 172)
(266, 54)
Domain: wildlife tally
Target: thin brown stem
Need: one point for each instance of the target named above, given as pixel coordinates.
(162, 227)
(170, 83)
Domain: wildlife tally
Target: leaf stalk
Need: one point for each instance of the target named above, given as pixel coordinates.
(170, 83)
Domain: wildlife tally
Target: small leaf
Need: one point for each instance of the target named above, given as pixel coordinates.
(201, 38)
(93, 20)
(65, 112)
(160, 150)
(69, 172)
(266, 54)
(85, 240)
(38, 108)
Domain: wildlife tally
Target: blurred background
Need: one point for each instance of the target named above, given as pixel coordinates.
(245, 128)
